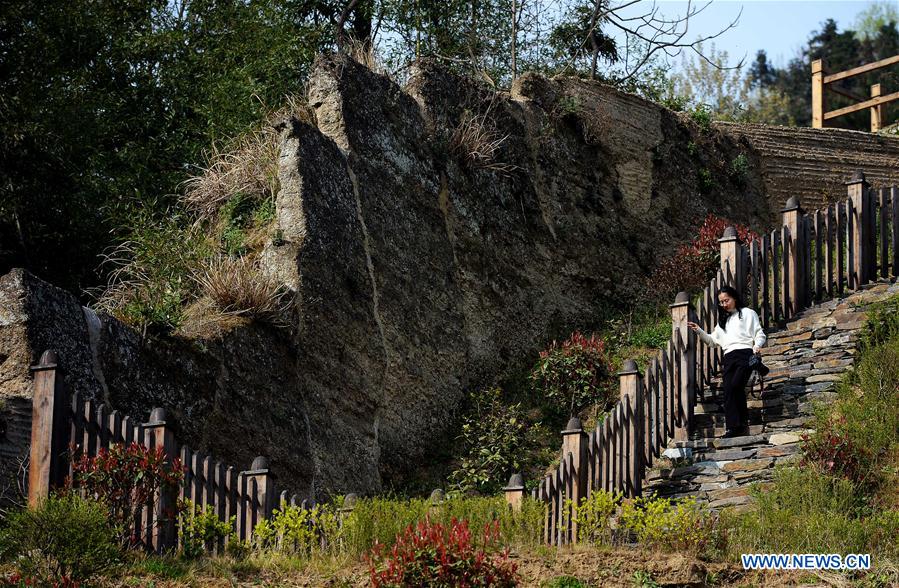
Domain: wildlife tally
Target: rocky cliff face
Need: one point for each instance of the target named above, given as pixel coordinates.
(424, 264)
(421, 273)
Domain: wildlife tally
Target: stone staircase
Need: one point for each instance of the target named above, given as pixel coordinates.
(806, 358)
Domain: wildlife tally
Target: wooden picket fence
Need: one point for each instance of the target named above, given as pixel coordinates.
(811, 258)
(63, 424)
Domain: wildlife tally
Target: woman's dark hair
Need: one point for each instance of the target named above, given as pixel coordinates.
(738, 304)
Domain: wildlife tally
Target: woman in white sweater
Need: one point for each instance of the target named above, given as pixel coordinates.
(739, 333)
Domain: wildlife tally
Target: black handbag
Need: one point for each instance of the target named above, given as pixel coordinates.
(757, 374)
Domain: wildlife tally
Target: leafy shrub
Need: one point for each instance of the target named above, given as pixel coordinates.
(576, 373)
(593, 514)
(706, 180)
(125, 478)
(298, 530)
(151, 272)
(695, 263)
(882, 324)
(494, 434)
(701, 114)
(432, 554)
(65, 540)
(200, 530)
(739, 168)
(671, 524)
(831, 450)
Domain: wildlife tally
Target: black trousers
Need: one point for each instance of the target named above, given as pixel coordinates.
(736, 375)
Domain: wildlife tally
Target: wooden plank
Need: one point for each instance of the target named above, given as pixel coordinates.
(840, 208)
(828, 250)
(894, 225)
(221, 506)
(102, 427)
(851, 230)
(115, 427)
(776, 304)
(880, 64)
(754, 275)
(196, 464)
(91, 436)
(786, 245)
(209, 486)
(885, 99)
(764, 286)
(819, 255)
(76, 436)
(187, 483)
(883, 204)
(818, 94)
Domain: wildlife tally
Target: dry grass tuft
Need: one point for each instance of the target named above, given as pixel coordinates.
(237, 287)
(247, 166)
(365, 54)
(476, 140)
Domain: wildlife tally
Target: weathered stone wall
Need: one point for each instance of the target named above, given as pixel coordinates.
(419, 273)
(813, 164)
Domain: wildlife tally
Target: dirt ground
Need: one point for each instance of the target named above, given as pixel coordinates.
(614, 567)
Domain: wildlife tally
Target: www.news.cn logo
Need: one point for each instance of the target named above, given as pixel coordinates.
(805, 561)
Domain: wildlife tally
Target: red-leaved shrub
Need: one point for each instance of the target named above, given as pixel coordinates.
(575, 373)
(125, 478)
(832, 451)
(431, 555)
(695, 263)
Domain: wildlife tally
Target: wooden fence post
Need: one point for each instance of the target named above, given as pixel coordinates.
(260, 484)
(631, 386)
(876, 111)
(818, 94)
(47, 467)
(684, 372)
(159, 436)
(514, 491)
(732, 257)
(862, 231)
(794, 281)
(574, 441)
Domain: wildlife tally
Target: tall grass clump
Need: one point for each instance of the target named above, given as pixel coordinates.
(206, 251)
(803, 511)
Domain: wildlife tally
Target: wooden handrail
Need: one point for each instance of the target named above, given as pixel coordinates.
(822, 81)
(866, 104)
(861, 69)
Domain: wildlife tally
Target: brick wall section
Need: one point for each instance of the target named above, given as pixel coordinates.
(814, 163)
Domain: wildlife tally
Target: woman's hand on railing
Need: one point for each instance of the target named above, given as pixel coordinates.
(693, 326)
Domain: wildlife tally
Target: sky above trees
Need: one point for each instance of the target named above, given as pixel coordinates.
(780, 28)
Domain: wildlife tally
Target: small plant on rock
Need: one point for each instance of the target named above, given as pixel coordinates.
(430, 554)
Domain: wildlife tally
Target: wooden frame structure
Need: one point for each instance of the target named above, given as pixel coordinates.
(811, 258)
(821, 82)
